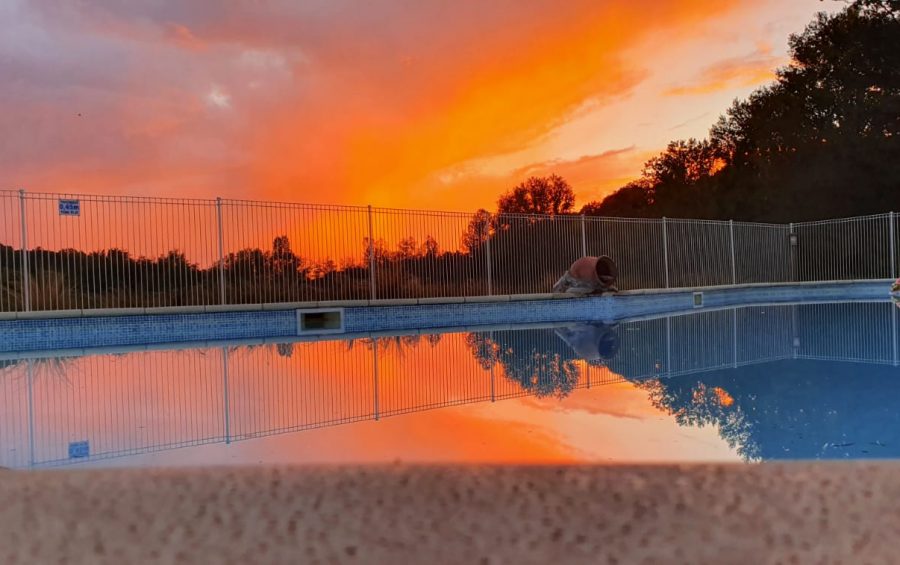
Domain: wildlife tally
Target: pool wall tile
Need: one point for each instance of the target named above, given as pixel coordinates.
(110, 331)
(32, 335)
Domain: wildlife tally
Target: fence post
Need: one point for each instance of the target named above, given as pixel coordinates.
(221, 250)
(493, 392)
(794, 327)
(26, 274)
(734, 345)
(669, 345)
(487, 251)
(792, 250)
(666, 249)
(894, 335)
(225, 401)
(29, 375)
(891, 235)
(583, 241)
(733, 267)
(371, 258)
(376, 406)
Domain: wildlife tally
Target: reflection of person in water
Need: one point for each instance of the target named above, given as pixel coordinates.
(539, 361)
(592, 342)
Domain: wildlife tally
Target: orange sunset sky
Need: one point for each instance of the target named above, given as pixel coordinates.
(424, 104)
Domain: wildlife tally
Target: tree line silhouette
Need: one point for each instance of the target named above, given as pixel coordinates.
(524, 256)
(822, 141)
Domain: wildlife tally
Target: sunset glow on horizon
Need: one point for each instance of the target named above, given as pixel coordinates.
(422, 105)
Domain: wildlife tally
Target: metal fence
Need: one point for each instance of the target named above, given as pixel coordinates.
(65, 251)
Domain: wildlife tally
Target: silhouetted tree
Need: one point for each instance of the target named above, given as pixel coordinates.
(538, 195)
(631, 201)
(430, 248)
(408, 248)
(283, 258)
(821, 141)
(479, 229)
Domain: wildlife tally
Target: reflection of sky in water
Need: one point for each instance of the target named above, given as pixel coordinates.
(756, 383)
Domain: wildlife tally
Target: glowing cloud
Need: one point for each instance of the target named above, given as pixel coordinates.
(425, 104)
(217, 98)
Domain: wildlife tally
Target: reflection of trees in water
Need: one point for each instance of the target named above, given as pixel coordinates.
(792, 409)
(398, 345)
(285, 349)
(44, 367)
(698, 404)
(537, 360)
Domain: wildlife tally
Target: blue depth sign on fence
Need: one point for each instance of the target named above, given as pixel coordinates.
(69, 207)
(79, 449)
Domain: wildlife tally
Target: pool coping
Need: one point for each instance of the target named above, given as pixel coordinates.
(350, 336)
(191, 327)
(381, 302)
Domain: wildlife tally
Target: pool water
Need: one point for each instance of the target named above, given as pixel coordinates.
(810, 381)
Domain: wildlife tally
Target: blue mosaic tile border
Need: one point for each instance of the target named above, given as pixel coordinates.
(380, 318)
(75, 333)
(660, 303)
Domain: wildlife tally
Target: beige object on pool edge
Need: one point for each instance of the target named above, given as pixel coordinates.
(589, 275)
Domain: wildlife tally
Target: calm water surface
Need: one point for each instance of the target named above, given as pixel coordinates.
(744, 384)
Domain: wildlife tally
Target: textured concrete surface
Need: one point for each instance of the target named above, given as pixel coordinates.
(800, 513)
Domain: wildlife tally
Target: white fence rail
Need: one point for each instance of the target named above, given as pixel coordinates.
(65, 251)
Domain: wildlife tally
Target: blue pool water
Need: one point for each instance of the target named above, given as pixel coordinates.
(755, 383)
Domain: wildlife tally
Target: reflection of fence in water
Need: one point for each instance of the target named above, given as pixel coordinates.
(151, 401)
(137, 252)
(121, 404)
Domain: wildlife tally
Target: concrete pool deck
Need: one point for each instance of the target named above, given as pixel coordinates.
(767, 513)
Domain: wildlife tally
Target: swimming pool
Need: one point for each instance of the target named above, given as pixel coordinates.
(746, 383)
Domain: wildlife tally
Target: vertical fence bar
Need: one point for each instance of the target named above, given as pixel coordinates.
(734, 363)
(225, 400)
(29, 375)
(221, 251)
(891, 236)
(794, 335)
(26, 275)
(371, 258)
(669, 345)
(666, 249)
(733, 264)
(894, 334)
(493, 390)
(375, 375)
(792, 251)
(583, 241)
(487, 253)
